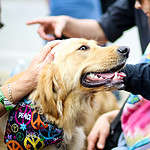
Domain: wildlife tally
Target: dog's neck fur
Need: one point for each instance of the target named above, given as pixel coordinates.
(59, 104)
(73, 113)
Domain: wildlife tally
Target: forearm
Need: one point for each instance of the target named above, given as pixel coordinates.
(23, 83)
(111, 115)
(19, 88)
(84, 28)
(101, 129)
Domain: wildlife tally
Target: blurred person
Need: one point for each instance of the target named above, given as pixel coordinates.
(120, 16)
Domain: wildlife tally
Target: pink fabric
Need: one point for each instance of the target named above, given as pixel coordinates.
(136, 121)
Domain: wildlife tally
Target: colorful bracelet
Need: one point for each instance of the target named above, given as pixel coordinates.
(5, 102)
(1, 97)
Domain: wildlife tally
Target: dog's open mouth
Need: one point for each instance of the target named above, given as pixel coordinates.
(110, 78)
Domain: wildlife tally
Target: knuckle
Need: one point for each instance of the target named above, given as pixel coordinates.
(91, 138)
(104, 132)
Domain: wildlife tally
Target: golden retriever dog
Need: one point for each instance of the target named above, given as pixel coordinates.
(73, 90)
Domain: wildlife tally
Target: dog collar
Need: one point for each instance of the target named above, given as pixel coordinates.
(27, 129)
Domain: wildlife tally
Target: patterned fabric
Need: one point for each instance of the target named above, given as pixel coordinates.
(136, 122)
(136, 118)
(27, 129)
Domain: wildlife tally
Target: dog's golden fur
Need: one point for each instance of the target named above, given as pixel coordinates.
(60, 95)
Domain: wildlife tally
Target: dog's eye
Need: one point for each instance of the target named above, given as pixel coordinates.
(84, 47)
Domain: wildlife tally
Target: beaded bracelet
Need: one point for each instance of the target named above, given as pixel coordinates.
(10, 93)
(5, 102)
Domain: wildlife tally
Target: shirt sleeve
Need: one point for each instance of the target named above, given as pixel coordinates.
(118, 18)
(137, 80)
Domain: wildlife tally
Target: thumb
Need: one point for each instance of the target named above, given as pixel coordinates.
(59, 29)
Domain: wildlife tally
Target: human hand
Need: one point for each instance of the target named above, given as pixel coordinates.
(39, 61)
(23, 83)
(99, 133)
(50, 25)
(100, 130)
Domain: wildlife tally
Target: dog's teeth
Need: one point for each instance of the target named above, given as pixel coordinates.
(93, 76)
(101, 78)
(116, 76)
(98, 77)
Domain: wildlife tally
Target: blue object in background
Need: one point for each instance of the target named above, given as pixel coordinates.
(82, 9)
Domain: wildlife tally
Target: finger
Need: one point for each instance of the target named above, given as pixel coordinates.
(36, 21)
(49, 58)
(52, 44)
(58, 29)
(43, 35)
(101, 142)
(91, 144)
(92, 138)
(46, 50)
(102, 139)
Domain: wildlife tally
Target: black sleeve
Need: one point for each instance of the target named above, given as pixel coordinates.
(105, 4)
(137, 80)
(118, 18)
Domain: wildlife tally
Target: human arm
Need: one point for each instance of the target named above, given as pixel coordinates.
(137, 80)
(118, 18)
(100, 130)
(27, 81)
(70, 27)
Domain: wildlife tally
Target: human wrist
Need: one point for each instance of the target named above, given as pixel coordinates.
(6, 101)
(19, 89)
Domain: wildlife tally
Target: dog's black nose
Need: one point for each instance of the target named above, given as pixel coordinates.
(124, 51)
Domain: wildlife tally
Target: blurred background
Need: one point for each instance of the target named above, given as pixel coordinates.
(19, 42)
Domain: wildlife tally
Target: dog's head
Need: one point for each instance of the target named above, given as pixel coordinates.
(79, 65)
(84, 64)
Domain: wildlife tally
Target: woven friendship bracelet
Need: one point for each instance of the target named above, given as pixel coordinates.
(1, 97)
(8, 105)
(5, 102)
(10, 93)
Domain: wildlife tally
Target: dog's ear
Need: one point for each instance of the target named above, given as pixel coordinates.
(50, 92)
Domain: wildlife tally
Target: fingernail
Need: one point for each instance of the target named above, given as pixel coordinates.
(100, 146)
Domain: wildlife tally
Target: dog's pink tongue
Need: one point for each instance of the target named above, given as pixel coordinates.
(112, 75)
(107, 75)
